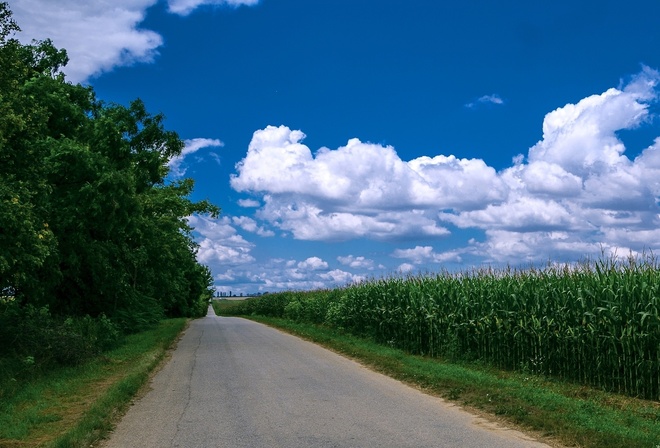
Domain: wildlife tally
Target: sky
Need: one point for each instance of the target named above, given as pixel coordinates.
(349, 140)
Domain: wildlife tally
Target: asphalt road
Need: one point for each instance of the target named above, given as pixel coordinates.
(235, 383)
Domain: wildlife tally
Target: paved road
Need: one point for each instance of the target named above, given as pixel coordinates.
(235, 383)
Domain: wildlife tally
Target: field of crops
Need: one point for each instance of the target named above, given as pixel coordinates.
(597, 323)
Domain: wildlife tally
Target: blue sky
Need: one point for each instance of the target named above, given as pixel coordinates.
(347, 140)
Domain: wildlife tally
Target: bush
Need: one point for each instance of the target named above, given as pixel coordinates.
(42, 340)
(140, 313)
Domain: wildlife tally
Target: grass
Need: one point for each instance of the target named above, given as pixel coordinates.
(75, 407)
(556, 411)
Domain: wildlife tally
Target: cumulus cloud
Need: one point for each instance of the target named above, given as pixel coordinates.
(405, 268)
(313, 264)
(574, 193)
(341, 278)
(220, 245)
(358, 262)
(416, 255)
(523, 214)
(581, 138)
(229, 255)
(185, 7)
(279, 274)
(191, 146)
(250, 225)
(361, 176)
(98, 35)
(578, 193)
(316, 221)
(358, 190)
(422, 254)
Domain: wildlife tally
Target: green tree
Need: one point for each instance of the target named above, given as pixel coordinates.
(88, 223)
(25, 237)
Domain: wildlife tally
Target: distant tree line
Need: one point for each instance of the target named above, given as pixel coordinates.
(89, 226)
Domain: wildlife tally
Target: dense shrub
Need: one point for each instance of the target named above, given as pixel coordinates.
(33, 340)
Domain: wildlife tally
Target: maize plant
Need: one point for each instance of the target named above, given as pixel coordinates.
(595, 323)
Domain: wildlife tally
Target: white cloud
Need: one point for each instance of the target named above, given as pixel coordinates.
(524, 214)
(423, 254)
(449, 182)
(212, 253)
(361, 176)
(631, 237)
(250, 225)
(486, 99)
(279, 274)
(581, 138)
(357, 262)
(191, 146)
(549, 179)
(574, 194)
(98, 35)
(358, 190)
(185, 7)
(249, 203)
(579, 193)
(417, 255)
(405, 268)
(306, 220)
(313, 264)
(216, 157)
(518, 248)
(219, 243)
(229, 256)
(341, 278)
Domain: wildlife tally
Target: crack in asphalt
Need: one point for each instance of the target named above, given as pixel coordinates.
(188, 388)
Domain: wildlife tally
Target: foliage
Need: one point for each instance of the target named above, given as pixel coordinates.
(94, 241)
(33, 341)
(597, 323)
(89, 223)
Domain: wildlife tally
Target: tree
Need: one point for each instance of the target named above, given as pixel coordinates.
(25, 237)
(88, 224)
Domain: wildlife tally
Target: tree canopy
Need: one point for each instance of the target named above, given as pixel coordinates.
(89, 222)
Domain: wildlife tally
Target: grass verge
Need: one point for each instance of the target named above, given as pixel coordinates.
(557, 412)
(75, 407)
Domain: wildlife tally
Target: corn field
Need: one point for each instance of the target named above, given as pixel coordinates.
(597, 323)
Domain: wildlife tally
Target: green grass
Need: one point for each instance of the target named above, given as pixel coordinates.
(556, 411)
(74, 407)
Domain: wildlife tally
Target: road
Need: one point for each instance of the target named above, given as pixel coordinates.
(234, 383)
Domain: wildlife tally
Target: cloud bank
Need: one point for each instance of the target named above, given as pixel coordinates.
(359, 190)
(99, 35)
(574, 194)
(224, 250)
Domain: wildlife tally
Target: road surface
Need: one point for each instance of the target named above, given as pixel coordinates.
(234, 383)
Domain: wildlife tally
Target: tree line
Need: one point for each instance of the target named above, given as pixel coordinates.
(89, 223)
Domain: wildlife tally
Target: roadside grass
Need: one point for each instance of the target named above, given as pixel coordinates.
(557, 412)
(76, 406)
